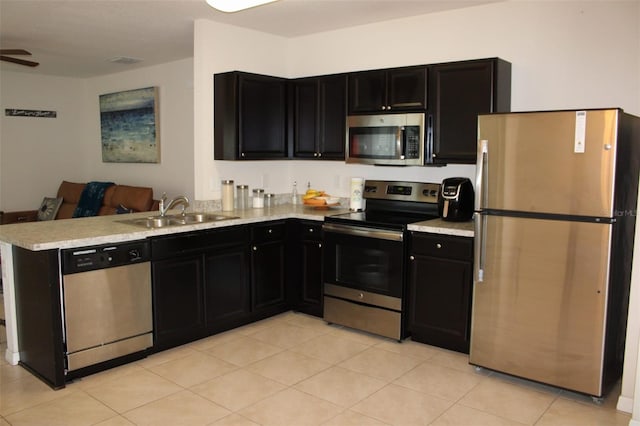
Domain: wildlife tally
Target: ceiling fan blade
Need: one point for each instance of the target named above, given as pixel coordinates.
(19, 61)
(14, 52)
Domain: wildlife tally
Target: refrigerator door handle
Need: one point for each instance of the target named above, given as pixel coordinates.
(479, 248)
(481, 173)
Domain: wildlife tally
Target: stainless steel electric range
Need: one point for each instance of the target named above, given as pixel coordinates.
(364, 256)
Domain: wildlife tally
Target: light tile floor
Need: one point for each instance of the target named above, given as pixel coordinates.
(294, 369)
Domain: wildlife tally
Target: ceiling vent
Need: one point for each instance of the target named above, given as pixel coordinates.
(124, 60)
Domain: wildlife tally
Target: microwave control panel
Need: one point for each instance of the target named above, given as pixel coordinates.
(411, 142)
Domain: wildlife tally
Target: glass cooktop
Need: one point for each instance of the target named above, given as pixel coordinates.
(380, 219)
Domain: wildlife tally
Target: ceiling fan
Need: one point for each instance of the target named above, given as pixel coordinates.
(13, 52)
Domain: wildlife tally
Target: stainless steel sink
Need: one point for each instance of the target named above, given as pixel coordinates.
(176, 220)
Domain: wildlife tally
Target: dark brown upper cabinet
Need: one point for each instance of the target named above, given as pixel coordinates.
(458, 92)
(250, 117)
(388, 90)
(319, 117)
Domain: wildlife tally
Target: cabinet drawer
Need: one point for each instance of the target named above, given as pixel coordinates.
(442, 246)
(270, 231)
(311, 231)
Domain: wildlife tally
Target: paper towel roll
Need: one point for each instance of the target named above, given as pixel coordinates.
(356, 203)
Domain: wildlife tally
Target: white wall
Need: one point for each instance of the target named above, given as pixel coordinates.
(220, 48)
(174, 173)
(36, 154)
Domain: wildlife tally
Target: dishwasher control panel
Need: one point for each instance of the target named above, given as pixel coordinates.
(104, 256)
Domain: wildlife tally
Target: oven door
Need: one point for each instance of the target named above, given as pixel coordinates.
(364, 259)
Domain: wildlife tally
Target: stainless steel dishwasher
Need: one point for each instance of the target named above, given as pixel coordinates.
(106, 302)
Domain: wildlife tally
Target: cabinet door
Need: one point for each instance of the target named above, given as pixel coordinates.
(268, 275)
(305, 126)
(332, 117)
(367, 91)
(407, 89)
(311, 294)
(250, 119)
(268, 267)
(305, 252)
(262, 117)
(227, 288)
(458, 92)
(440, 301)
(320, 117)
(178, 300)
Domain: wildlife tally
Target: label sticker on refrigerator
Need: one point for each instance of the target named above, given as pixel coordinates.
(581, 130)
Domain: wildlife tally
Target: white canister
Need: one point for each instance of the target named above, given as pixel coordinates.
(227, 195)
(356, 203)
(258, 198)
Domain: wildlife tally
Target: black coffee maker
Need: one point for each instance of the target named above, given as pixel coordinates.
(455, 199)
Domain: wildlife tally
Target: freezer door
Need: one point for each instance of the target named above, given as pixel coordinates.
(549, 162)
(539, 313)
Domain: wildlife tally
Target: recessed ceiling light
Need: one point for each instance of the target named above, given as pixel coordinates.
(236, 5)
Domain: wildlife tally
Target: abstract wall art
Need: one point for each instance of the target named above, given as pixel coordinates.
(129, 126)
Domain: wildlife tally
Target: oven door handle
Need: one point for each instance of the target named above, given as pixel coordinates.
(359, 231)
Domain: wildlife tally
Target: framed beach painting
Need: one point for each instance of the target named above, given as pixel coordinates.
(129, 126)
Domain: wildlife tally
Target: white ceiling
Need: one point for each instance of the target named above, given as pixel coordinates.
(77, 38)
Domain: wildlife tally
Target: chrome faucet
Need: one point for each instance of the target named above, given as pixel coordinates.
(166, 206)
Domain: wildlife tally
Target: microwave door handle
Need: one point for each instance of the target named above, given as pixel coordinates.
(400, 135)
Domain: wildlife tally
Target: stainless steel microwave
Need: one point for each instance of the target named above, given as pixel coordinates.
(386, 139)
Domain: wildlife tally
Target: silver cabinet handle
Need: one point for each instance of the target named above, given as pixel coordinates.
(270, 231)
(320, 245)
(438, 245)
(412, 258)
(364, 232)
(255, 248)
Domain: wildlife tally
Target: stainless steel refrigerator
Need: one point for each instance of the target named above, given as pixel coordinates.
(555, 215)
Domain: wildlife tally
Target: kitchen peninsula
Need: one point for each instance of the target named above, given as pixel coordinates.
(55, 236)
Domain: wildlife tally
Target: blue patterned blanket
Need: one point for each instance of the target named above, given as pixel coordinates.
(91, 199)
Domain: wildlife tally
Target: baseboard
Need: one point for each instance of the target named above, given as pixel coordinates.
(625, 404)
(12, 357)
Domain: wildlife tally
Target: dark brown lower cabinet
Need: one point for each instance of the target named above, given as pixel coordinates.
(440, 290)
(268, 243)
(305, 268)
(200, 284)
(178, 300)
(227, 288)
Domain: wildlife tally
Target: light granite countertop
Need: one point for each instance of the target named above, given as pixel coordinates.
(71, 233)
(439, 226)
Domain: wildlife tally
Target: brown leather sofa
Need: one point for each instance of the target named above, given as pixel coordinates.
(116, 197)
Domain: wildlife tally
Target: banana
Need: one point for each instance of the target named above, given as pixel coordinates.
(312, 193)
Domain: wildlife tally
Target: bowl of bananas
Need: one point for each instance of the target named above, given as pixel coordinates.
(319, 199)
